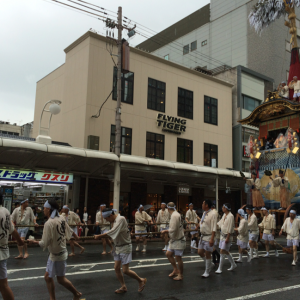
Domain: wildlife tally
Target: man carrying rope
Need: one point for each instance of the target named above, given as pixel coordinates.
(6, 228)
(227, 229)
(104, 227)
(55, 234)
(291, 226)
(164, 217)
(123, 249)
(177, 242)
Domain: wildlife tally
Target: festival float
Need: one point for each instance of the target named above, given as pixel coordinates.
(275, 155)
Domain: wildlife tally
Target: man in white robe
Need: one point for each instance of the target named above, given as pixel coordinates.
(227, 229)
(164, 217)
(6, 228)
(177, 242)
(192, 219)
(55, 234)
(121, 237)
(23, 215)
(253, 231)
(104, 227)
(291, 226)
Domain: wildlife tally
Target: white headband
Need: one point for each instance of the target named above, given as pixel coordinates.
(24, 201)
(293, 212)
(226, 207)
(163, 203)
(108, 213)
(54, 212)
(171, 207)
(241, 212)
(263, 208)
(66, 207)
(102, 205)
(191, 204)
(141, 206)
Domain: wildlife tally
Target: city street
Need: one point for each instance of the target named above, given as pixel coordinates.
(93, 275)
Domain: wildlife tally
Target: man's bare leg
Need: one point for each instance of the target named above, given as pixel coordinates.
(120, 275)
(72, 248)
(69, 286)
(133, 275)
(110, 245)
(104, 246)
(25, 250)
(171, 259)
(180, 268)
(137, 243)
(50, 286)
(5, 290)
(295, 253)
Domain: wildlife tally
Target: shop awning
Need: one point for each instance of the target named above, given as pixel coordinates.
(29, 155)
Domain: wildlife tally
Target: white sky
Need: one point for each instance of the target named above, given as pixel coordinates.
(34, 34)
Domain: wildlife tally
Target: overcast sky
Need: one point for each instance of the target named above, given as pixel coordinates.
(34, 34)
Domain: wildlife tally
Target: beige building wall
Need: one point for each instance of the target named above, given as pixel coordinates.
(86, 79)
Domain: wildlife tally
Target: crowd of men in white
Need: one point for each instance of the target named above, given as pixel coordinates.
(216, 235)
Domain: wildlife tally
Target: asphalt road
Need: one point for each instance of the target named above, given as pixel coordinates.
(93, 274)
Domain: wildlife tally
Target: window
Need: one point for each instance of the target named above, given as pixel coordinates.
(166, 57)
(127, 86)
(204, 43)
(210, 110)
(186, 49)
(193, 46)
(185, 103)
(246, 134)
(155, 145)
(210, 153)
(126, 137)
(185, 151)
(156, 95)
(245, 166)
(250, 103)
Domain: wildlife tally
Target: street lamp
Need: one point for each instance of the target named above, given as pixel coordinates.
(44, 132)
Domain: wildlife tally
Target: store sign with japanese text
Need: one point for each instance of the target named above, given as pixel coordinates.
(184, 191)
(171, 124)
(16, 175)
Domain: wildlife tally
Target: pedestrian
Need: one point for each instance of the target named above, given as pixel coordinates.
(84, 221)
(208, 228)
(6, 228)
(243, 236)
(226, 225)
(23, 215)
(73, 220)
(268, 225)
(253, 231)
(291, 226)
(177, 242)
(123, 249)
(216, 251)
(164, 217)
(141, 217)
(104, 227)
(55, 234)
(192, 219)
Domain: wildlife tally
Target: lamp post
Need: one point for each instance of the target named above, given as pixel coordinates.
(44, 132)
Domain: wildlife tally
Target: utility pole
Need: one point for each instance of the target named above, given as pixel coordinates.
(117, 175)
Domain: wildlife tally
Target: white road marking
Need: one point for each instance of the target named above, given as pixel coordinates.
(111, 269)
(266, 293)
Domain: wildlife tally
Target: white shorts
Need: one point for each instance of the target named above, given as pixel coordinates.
(253, 237)
(243, 245)
(75, 229)
(268, 237)
(205, 245)
(166, 228)
(193, 232)
(296, 95)
(125, 258)
(22, 231)
(56, 268)
(3, 269)
(294, 242)
(141, 231)
(217, 242)
(104, 231)
(176, 251)
(224, 246)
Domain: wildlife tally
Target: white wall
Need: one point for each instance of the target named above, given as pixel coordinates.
(221, 7)
(253, 87)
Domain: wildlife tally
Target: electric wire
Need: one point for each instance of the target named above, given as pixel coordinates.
(97, 6)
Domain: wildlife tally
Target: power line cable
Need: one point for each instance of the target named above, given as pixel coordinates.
(98, 6)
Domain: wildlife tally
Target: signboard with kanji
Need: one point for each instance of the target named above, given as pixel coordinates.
(50, 177)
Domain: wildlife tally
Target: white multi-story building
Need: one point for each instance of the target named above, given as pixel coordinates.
(13, 130)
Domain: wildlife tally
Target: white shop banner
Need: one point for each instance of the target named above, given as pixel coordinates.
(47, 177)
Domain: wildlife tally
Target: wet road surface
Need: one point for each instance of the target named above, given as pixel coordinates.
(93, 274)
